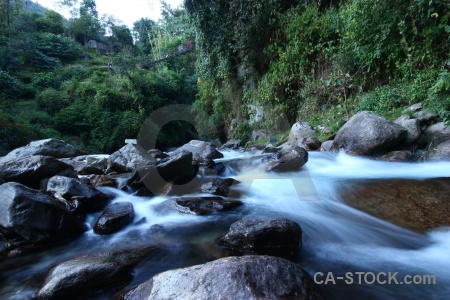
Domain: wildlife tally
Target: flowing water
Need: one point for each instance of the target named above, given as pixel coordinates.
(336, 237)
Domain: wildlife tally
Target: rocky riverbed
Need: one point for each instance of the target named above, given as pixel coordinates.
(206, 223)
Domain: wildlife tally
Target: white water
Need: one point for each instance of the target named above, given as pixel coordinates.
(336, 237)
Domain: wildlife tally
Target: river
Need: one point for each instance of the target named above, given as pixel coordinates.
(336, 238)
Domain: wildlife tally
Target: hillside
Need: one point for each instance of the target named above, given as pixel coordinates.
(257, 68)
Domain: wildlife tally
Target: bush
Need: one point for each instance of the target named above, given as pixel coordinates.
(243, 132)
(13, 134)
(46, 80)
(58, 46)
(10, 88)
(52, 101)
(439, 96)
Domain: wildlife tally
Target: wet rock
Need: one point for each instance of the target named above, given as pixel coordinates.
(3, 248)
(232, 144)
(247, 277)
(327, 146)
(398, 156)
(207, 205)
(199, 149)
(49, 147)
(269, 148)
(129, 158)
(219, 186)
(435, 135)
(288, 159)
(277, 237)
(36, 216)
(367, 134)
(89, 275)
(414, 204)
(70, 188)
(312, 143)
(178, 168)
(88, 164)
(201, 206)
(158, 154)
(136, 185)
(300, 131)
(440, 152)
(31, 170)
(412, 127)
(102, 180)
(116, 217)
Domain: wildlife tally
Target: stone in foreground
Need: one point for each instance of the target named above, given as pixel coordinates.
(367, 134)
(277, 237)
(247, 277)
(36, 216)
(85, 276)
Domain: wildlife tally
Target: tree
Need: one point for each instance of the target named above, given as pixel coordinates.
(87, 26)
(121, 35)
(52, 22)
(141, 32)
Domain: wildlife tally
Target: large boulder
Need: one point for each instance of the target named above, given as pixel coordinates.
(71, 188)
(300, 131)
(276, 237)
(178, 168)
(88, 164)
(435, 135)
(88, 275)
(247, 277)
(440, 152)
(367, 134)
(200, 149)
(201, 206)
(36, 216)
(129, 158)
(412, 127)
(419, 205)
(115, 217)
(31, 170)
(49, 147)
(288, 159)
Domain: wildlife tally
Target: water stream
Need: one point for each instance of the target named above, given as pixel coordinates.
(336, 237)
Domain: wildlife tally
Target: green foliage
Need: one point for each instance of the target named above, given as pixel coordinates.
(383, 99)
(10, 88)
(440, 96)
(46, 80)
(13, 134)
(52, 101)
(52, 22)
(243, 132)
(58, 46)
